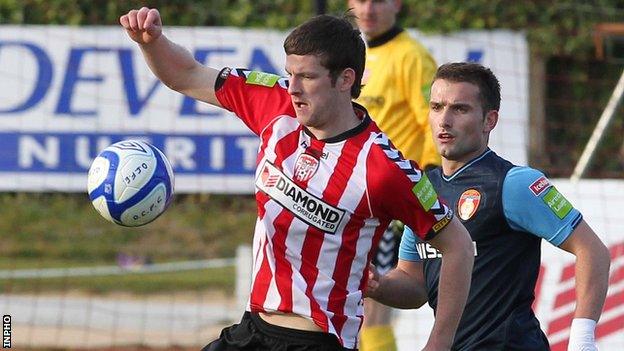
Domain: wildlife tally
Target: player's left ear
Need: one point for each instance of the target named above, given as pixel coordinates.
(491, 119)
(346, 80)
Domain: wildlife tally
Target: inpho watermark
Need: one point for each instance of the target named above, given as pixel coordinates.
(6, 331)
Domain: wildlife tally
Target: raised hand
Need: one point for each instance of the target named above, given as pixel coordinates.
(143, 25)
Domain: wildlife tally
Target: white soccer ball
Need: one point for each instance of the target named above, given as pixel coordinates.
(130, 183)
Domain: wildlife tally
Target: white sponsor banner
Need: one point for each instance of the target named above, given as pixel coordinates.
(307, 207)
(68, 92)
(600, 203)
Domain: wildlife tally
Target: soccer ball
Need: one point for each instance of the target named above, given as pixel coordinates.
(130, 183)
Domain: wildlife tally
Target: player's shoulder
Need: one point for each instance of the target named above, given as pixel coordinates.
(388, 163)
(434, 172)
(524, 175)
(490, 162)
(382, 149)
(412, 46)
(524, 179)
(255, 79)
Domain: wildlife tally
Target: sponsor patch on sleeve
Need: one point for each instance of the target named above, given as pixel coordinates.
(225, 72)
(261, 78)
(539, 186)
(443, 222)
(557, 203)
(425, 193)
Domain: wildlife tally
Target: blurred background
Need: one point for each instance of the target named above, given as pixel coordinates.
(71, 83)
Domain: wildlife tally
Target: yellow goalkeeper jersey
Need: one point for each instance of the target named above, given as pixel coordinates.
(397, 81)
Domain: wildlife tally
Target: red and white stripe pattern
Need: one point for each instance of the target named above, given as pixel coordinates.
(313, 237)
(612, 318)
(300, 269)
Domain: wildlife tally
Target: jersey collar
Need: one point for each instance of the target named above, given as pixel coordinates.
(361, 112)
(459, 171)
(386, 37)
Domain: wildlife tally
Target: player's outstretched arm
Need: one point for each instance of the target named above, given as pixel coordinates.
(455, 244)
(592, 280)
(171, 63)
(402, 287)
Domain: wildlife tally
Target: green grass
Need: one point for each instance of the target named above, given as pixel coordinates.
(63, 230)
(143, 284)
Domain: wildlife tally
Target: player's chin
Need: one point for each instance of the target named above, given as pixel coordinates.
(446, 152)
(304, 118)
(369, 27)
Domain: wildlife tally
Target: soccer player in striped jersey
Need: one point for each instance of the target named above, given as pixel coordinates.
(328, 182)
(508, 210)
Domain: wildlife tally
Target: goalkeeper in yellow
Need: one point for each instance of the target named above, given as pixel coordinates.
(397, 79)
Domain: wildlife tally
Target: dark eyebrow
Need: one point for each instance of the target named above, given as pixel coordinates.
(460, 104)
(451, 105)
(304, 73)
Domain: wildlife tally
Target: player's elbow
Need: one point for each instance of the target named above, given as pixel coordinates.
(604, 256)
(185, 77)
(417, 297)
(595, 252)
(465, 250)
(414, 301)
(595, 256)
(176, 83)
(465, 245)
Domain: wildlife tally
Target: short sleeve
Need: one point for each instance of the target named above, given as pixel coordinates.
(257, 98)
(402, 191)
(532, 204)
(407, 248)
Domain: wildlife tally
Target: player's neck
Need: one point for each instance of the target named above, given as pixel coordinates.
(344, 120)
(384, 37)
(449, 167)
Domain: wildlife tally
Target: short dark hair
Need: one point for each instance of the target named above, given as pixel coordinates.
(335, 42)
(482, 77)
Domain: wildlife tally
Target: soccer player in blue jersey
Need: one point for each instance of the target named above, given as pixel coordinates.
(508, 210)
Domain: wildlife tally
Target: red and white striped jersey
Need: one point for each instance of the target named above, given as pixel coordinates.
(322, 205)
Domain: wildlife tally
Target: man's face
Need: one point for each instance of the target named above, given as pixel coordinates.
(460, 130)
(311, 91)
(375, 17)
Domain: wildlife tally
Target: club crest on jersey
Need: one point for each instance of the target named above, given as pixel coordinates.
(468, 204)
(305, 206)
(305, 167)
(539, 186)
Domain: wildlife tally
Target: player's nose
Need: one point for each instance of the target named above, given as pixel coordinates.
(445, 118)
(294, 86)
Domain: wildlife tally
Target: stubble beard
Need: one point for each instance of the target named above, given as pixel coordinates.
(453, 152)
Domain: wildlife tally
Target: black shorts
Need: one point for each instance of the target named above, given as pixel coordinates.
(387, 254)
(253, 333)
